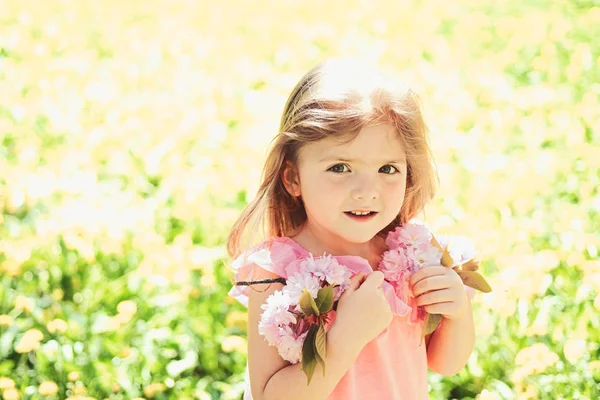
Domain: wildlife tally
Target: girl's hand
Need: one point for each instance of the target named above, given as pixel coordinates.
(363, 312)
(440, 290)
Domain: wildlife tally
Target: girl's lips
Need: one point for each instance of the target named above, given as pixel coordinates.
(361, 218)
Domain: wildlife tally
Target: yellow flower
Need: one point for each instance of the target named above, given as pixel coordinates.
(57, 325)
(48, 388)
(536, 329)
(575, 258)
(24, 303)
(594, 365)
(73, 376)
(237, 318)
(122, 318)
(574, 349)
(80, 391)
(153, 389)
(535, 359)
(487, 395)
(127, 307)
(58, 294)
(6, 383)
(208, 279)
(518, 375)
(6, 320)
(26, 347)
(232, 343)
(10, 267)
(10, 394)
(30, 341)
(526, 391)
(125, 352)
(113, 324)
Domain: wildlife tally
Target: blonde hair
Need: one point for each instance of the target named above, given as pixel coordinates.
(336, 97)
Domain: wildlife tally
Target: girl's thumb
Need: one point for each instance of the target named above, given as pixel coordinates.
(355, 282)
(374, 280)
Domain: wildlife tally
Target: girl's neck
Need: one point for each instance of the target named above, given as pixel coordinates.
(318, 242)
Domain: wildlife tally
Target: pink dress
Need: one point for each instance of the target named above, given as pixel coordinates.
(393, 366)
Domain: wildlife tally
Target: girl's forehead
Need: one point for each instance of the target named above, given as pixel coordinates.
(374, 142)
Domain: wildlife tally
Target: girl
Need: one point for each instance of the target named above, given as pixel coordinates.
(350, 163)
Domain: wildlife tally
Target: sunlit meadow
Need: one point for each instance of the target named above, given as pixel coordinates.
(133, 133)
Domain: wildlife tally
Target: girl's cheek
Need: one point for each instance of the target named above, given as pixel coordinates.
(334, 183)
(395, 192)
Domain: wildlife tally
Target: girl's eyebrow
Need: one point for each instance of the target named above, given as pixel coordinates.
(333, 158)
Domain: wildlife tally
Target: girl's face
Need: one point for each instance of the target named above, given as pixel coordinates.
(367, 174)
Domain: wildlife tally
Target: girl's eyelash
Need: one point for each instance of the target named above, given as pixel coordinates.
(337, 165)
(346, 165)
(396, 168)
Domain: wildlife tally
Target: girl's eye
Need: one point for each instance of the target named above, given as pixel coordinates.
(387, 168)
(338, 168)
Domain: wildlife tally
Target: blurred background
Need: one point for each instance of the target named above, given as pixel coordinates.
(133, 133)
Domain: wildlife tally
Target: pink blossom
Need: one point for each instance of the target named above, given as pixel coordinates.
(327, 269)
(296, 284)
(282, 323)
(277, 308)
(317, 267)
(269, 330)
(461, 248)
(425, 255)
(401, 286)
(411, 250)
(338, 275)
(276, 314)
(393, 263)
(290, 345)
(408, 235)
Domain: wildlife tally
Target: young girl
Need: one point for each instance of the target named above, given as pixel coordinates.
(350, 163)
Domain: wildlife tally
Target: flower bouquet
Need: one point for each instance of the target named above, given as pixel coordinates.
(296, 318)
(412, 247)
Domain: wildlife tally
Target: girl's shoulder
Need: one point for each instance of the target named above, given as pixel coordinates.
(269, 259)
(273, 255)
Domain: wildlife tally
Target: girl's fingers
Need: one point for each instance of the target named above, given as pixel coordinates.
(355, 282)
(373, 281)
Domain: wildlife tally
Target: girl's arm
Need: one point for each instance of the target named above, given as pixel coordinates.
(271, 377)
(451, 344)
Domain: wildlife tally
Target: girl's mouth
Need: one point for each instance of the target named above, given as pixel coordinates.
(361, 218)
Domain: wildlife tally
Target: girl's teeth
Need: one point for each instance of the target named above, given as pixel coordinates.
(360, 213)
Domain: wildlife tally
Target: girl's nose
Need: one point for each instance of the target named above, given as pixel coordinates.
(365, 189)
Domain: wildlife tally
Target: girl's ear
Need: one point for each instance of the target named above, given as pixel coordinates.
(291, 180)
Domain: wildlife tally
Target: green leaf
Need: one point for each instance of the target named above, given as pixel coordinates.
(471, 265)
(321, 346)
(309, 357)
(446, 260)
(308, 305)
(474, 280)
(432, 321)
(325, 299)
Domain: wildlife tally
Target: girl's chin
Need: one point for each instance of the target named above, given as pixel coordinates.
(356, 237)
